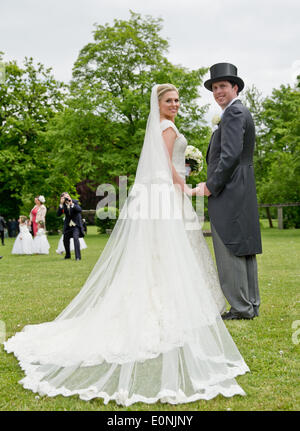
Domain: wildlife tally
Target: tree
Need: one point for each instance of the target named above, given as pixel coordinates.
(277, 156)
(29, 97)
(53, 138)
(254, 100)
(282, 119)
(101, 132)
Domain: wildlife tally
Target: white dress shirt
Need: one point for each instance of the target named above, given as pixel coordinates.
(69, 206)
(229, 104)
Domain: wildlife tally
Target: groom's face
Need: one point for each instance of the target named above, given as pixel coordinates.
(224, 92)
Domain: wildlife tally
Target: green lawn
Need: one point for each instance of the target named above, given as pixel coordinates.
(35, 289)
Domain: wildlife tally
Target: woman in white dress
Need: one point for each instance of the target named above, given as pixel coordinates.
(23, 243)
(40, 241)
(146, 326)
(61, 247)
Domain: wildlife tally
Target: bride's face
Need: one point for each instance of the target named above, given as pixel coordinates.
(169, 105)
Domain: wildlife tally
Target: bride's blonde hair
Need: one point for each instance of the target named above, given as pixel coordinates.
(163, 88)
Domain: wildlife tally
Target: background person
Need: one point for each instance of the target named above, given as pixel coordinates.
(73, 227)
(38, 213)
(40, 242)
(23, 243)
(13, 228)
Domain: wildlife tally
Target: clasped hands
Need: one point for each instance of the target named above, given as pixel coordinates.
(200, 190)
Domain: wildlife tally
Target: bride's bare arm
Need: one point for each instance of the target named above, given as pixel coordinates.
(169, 137)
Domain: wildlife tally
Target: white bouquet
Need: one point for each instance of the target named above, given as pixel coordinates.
(194, 158)
(215, 122)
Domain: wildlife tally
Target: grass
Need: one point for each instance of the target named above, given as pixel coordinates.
(36, 289)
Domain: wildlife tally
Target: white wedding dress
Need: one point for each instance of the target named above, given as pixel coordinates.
(61, 247)
(40, 242)
(146, 325)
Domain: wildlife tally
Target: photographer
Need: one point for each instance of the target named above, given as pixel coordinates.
(73, 227)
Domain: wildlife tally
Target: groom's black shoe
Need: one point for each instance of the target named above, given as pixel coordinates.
(231, 316)
(67, 257)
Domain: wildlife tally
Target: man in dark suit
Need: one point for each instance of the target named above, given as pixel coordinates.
(231, 191)
(13, 228)
(73, 227)
(2, 227)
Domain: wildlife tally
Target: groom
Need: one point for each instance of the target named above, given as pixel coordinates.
(231, 191)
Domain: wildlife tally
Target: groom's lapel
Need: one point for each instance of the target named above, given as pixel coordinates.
(210, 144)
(213, 135)
(237, 101)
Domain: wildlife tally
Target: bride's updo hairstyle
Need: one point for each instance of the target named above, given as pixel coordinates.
(163, 88)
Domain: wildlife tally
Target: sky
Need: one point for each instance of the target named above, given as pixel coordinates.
(261, 37)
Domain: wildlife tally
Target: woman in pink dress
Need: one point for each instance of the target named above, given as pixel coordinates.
(38, 213)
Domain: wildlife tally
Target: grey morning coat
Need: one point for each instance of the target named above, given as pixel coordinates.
(232, 206)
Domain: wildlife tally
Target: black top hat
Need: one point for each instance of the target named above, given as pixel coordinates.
(223, 72)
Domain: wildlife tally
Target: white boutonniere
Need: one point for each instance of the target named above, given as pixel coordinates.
(215, 122)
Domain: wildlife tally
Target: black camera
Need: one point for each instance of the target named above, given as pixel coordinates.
(67, 200)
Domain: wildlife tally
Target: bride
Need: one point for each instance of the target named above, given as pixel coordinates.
(146, 325)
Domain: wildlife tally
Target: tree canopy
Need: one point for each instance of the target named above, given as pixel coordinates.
(277, 155)
(29, 98)
(101, 131)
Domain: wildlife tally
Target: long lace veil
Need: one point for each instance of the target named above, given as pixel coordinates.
(139, 217)
(154, 163)
(151, 227)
